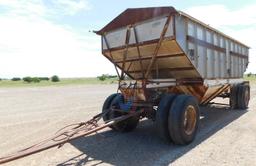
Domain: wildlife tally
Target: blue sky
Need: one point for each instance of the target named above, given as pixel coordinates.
(42, 38)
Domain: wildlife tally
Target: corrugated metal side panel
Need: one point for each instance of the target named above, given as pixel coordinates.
(214, 55)
(181, 32)
(191, 47)
(210, 28)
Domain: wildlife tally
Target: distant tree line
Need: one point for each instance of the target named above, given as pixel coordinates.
(251, 75)
(29, 79)
(103, 77)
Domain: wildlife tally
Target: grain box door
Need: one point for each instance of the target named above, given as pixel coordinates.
(228, 59)
(201, 54)
(210, 56)
(191, 30)
(216, 57)
(222, 58)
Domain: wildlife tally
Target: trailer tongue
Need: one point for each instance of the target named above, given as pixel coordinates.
(167, 63)
(66, 135)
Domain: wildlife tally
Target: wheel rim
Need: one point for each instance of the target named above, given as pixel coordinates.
(189, 121)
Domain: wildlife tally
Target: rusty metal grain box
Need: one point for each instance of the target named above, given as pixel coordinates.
(187, 49)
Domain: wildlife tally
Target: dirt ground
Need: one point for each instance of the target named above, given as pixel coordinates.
(27, 115)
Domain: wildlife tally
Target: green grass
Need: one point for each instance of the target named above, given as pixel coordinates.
(252, 79)
(76, 81)
(63, 82)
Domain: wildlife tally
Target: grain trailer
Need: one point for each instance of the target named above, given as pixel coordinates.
(169, 63)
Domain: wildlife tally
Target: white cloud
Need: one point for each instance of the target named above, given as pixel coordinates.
(45, 8)
(70, 7)
(21, 8)
(239, 24)
(32, 45)
(219, 15)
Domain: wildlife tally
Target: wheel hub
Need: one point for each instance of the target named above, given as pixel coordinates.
(189, 121)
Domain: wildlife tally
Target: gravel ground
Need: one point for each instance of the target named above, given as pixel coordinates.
(27, 115)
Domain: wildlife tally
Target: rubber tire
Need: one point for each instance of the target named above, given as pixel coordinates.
(241, 103)
(126, 125)
(162, 116)
(233, 103)
(106, 105)
(175, 119)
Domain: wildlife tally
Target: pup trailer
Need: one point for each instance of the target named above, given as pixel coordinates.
(168, 63)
